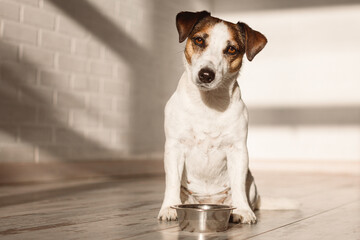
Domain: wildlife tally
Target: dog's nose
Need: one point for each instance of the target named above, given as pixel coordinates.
(206, 75)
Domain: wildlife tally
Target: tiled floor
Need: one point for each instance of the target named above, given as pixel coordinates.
(127, 209)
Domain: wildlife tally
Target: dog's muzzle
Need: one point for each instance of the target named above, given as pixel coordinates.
(206, 75)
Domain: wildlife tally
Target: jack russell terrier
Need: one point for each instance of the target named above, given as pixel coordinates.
(206, 121)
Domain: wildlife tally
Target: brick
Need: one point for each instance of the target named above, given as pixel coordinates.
(102, 103)
(18, 74)
(36, 96)
(9, 11)
(84, 83)
(121, 138)
(127, 9)
(87, 49)
(116, 88)
(8, 51)
(111, 55)
(113, 120)
(17, 153)
(8, 92)
(29, 2)
(55, 80)
(8, 134)
(39, 18)
(110, 120)
(112, 87)
(49, 6)
(123, 70)
(101, 136)
(37, 56)
(35, 134)
(71, 27)
(53, 116)
(55, 42)
(105, 69)
(17, 113)
(70, 100)
(19, 32)
(85, 118)
(68, 136)
(105, 6)
(72, 64)
(122, 105)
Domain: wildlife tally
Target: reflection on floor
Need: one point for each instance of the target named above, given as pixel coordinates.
(127, 209)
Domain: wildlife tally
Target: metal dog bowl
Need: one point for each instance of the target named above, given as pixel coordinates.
(203, 217)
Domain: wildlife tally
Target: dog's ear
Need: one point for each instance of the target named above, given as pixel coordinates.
(254, 40)
(186, 21)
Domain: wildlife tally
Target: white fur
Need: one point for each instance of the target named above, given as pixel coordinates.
(206, 134)
(212, 57)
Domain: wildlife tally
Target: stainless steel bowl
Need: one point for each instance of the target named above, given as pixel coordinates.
(203, 217)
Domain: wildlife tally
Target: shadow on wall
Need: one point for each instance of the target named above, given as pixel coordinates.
(150, 70)
(123, 46)
(29, 114)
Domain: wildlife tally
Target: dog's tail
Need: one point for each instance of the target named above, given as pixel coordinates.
(268, 203)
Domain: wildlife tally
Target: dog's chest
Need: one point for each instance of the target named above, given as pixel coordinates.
(205, 143)
(204, 134)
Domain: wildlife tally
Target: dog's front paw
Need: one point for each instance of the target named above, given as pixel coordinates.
(167, 214)
(243, 216)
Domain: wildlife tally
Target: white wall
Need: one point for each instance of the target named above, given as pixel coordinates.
(89, 79)
(86, 80)
(302, 90)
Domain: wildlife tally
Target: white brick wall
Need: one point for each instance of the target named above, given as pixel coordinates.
(38, 18)
(55, 41)
(86, 79)
(9, 10)
(34, 55)
(18, 32)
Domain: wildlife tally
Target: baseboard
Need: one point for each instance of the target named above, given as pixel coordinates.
(329, 167)
(15, 172)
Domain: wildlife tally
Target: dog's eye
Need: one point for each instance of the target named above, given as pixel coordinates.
(231, 50)
(199, 41)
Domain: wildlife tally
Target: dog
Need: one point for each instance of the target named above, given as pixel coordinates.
(206, 122)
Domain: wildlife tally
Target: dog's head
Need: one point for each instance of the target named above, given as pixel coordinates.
(215, 48)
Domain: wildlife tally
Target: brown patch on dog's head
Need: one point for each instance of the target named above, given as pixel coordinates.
(195, 26)
(186, 21)
(201, 31)
(215, 46)
(236, 44)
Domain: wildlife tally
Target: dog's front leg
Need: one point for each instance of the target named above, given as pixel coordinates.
(238, 165)
(174, 165)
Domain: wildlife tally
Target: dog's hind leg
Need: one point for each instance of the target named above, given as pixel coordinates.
(251, 192)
